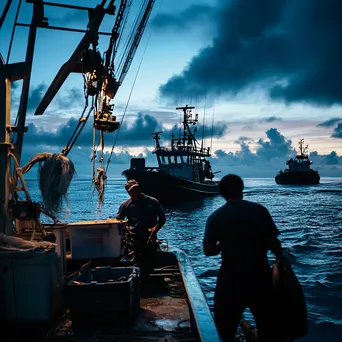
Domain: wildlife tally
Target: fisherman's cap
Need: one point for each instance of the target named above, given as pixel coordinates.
(131, 184)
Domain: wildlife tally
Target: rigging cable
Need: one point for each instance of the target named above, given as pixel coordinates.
(203, 125)
(128, 100)
(212, 127)
(130, 40)
(81, 123)
(117, 43)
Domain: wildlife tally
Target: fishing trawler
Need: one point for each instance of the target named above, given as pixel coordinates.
(299, 170)
(183, 171)
(49, 292)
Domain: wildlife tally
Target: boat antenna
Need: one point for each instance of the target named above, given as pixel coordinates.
(204, 115)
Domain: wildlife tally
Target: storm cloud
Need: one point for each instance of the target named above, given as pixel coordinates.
(337, 133)
(136, 133)
(276, 146)
(184, 19)
(289, 48)
(35, 96)
(329, 123)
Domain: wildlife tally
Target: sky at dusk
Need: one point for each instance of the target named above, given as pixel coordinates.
(268, 71)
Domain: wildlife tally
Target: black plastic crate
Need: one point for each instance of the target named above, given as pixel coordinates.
(104, 293)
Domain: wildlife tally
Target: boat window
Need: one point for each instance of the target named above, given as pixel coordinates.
(175, 159)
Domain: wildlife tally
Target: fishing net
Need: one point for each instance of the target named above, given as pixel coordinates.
(55, 174)
(100, 184)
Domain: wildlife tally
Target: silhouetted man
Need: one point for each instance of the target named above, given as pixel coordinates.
(145, 218)
(244, 232)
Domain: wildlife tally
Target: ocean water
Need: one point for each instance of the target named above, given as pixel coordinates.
(309, 219)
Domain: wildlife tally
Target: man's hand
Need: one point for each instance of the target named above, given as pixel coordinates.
(153, 231)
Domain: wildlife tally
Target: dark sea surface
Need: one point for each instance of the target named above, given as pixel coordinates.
(308, 217)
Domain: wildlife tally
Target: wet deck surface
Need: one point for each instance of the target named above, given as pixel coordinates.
(163, 316)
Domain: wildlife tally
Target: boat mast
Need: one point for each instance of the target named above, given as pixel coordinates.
(301, 143)
(9, 73)
(37, 20)
(186, 128)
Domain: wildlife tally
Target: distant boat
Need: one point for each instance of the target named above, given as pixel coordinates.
(299, 169)
(183, 172)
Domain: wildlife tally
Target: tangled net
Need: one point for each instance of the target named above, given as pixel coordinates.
(99, 182)
(55, 174)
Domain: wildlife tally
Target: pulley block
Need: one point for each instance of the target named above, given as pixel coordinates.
(106, 123)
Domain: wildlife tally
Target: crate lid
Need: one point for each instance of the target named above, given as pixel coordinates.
(97, 222)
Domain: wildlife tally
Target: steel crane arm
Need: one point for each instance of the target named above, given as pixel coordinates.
(115, 31)
(96, 17)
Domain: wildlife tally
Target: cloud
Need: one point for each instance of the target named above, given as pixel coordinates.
(329, 123)
(35, 96)
(325, 159)
(183, 20)
(71, 98)
(271, 119)
(277, 146)
(289, 48)
(138, 133)
(337, 131)
(65, 17)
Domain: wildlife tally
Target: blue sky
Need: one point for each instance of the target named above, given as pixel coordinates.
(270, 75)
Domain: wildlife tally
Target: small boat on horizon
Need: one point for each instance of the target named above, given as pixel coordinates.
(299, 170)
(183, 172)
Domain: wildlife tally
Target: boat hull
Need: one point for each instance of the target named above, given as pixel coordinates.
(165, 187)
(298, 178)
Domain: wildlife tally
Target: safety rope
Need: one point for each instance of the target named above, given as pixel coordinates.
(81, 123)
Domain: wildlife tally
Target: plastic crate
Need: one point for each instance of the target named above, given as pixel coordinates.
(96, 239)
(104, 292)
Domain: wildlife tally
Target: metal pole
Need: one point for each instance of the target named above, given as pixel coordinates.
(5, 103)
(38, 16)
(4, 13)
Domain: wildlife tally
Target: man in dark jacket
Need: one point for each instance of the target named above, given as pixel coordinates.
(243, 232)
(145, 218)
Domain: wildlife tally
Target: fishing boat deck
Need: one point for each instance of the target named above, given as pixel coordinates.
(161, 317)
(164, 315)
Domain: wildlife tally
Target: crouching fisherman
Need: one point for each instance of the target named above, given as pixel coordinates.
(243, 232)
(145, 218)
